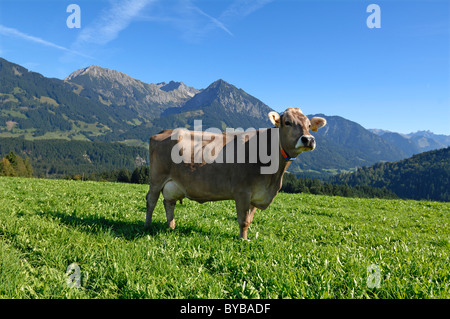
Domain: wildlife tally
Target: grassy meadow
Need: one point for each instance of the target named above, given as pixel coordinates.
(302, 246)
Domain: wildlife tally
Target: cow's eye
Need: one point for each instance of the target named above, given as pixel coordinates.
(287, 123)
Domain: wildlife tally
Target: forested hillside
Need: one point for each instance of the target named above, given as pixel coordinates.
(423, 176)
(33, 104)
(59, 158)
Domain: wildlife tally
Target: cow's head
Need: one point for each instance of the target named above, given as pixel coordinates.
(294, 130)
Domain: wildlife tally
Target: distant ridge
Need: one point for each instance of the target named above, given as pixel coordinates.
(423, 176)
(414, 143)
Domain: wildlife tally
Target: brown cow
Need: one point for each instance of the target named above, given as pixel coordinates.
(204, 166)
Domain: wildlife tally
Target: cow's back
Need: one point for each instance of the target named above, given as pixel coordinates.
(198, 179)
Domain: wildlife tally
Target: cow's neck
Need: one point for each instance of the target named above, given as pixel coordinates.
(283, 165)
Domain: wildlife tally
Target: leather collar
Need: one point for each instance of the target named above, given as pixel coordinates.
(286, 157)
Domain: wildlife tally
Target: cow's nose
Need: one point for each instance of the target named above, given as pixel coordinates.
(308, 141)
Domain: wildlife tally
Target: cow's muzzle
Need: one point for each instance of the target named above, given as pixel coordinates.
(306, 142)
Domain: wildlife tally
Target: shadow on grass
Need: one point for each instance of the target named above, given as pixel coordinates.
(124, 229)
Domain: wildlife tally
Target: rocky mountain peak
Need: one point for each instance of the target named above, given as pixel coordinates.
(224, 101)
(220, 83)
(97, 72)
(178, 86)
(114, 88)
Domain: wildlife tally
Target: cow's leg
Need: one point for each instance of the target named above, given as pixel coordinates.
(171, 193)
(152, 199)
(169, 205)
(245, 213)
(245, 218)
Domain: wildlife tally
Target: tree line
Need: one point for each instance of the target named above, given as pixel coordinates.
(140, 175)
(291, 184)
(14, 165)
(59, 158)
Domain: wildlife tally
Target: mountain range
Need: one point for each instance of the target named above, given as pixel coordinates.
(414, 143)
(118, 90)
(99, 104)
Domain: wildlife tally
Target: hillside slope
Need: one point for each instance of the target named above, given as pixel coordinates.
(33, 105)
(342, 145)
(423, 176)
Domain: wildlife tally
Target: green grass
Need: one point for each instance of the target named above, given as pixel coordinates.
(302, 246)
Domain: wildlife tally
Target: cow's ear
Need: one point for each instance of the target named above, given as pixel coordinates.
(317, 122)
(274, 117)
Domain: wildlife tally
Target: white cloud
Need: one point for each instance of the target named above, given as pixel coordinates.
(111, 22)
(241, 8)
(194, 23)
(17, 34)
(214, 21)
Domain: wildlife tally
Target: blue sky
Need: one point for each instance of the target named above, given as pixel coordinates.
(316, 55)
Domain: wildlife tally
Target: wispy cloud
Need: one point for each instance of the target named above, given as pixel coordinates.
(194, 23)
(11, 32)
(239, 9)
(111, 22)
(213, 20)
(189, 19)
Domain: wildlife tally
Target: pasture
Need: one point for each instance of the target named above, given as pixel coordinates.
(302, 246)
